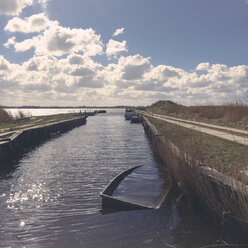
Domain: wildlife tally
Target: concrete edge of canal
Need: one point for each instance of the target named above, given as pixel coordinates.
(203, 185)
(15, 143)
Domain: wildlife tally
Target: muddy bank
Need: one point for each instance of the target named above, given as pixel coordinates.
(13, 144)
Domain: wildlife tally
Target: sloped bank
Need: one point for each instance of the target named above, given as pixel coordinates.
(203, 186)
(13, 144)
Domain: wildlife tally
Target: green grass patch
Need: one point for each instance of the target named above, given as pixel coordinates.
(225, 156)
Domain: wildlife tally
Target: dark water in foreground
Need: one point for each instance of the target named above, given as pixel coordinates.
(51, 198)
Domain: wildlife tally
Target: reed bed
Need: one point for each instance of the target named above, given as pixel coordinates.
(5, 116)
(228, 113)
(186, 160)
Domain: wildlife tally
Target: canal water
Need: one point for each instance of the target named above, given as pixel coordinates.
(50, 197)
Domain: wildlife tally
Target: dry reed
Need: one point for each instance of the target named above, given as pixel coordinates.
(225, 200)
(5, 117)
(236, 112)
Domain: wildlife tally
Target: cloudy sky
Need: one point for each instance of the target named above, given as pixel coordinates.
(115, 52)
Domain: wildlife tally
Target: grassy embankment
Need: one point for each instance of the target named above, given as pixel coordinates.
(227, 157)
(230, 115)
(9, 123)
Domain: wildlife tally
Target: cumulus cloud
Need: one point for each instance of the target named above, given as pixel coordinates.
(89, 83)
(41, 87)
(13, 7)
(4, 84)
(118, 31)
(4, 64)
(131, 80)
(34, 23)
(217, 85)
(115, 47)
(203, 67)
(134, 67)
(58, 41)
(11, 42)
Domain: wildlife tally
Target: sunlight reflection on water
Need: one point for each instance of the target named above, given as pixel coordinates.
(51, 196)
(64, 176)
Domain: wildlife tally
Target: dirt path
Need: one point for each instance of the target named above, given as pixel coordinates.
(232, 134)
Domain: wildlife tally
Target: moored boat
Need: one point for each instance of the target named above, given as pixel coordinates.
(136, 119)
(129, 113)
(102, 111)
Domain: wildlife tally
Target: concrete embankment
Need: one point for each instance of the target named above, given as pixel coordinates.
(224, 195)
(13, 144)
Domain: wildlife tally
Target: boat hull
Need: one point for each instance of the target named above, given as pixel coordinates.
(110, 201)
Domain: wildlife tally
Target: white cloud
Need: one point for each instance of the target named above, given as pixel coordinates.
(11, 42)
(134, 67)
(4, 64)
(127, 71)
(118, 31)
(43, 2)
(78, 79)
(58, 41)
(115, 47)
(203, 66)
(13, 7)
(34, 23)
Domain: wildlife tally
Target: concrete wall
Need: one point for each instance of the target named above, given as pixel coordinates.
(16, 143)
(224, 195)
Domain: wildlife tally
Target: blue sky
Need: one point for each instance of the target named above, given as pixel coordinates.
(59, 52)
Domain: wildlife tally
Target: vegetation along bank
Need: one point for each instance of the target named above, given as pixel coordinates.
(17, 134)
(211, 170)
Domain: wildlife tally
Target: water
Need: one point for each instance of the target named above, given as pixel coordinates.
(46, 111)
(51, 196)
(145, 186)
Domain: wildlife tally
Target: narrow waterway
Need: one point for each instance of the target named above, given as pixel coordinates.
(51, 196)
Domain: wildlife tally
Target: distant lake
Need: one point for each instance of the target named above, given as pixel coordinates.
(50, 111)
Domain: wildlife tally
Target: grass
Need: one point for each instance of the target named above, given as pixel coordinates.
(225, 156)
(195, 150)
(22, 121)
(229, 114)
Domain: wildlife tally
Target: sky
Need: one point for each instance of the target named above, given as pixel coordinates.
(123, 52)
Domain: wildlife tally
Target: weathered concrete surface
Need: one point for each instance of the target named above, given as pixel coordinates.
(236, 135)
(13, 144)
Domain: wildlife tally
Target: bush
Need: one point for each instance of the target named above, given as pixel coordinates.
(5, 117)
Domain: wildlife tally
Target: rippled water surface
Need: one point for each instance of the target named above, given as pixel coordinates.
(51, 196)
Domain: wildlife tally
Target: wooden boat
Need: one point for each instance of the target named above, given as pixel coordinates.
(114, 202)
(110, 201)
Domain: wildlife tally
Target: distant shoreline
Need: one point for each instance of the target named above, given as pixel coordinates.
(65, 107)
